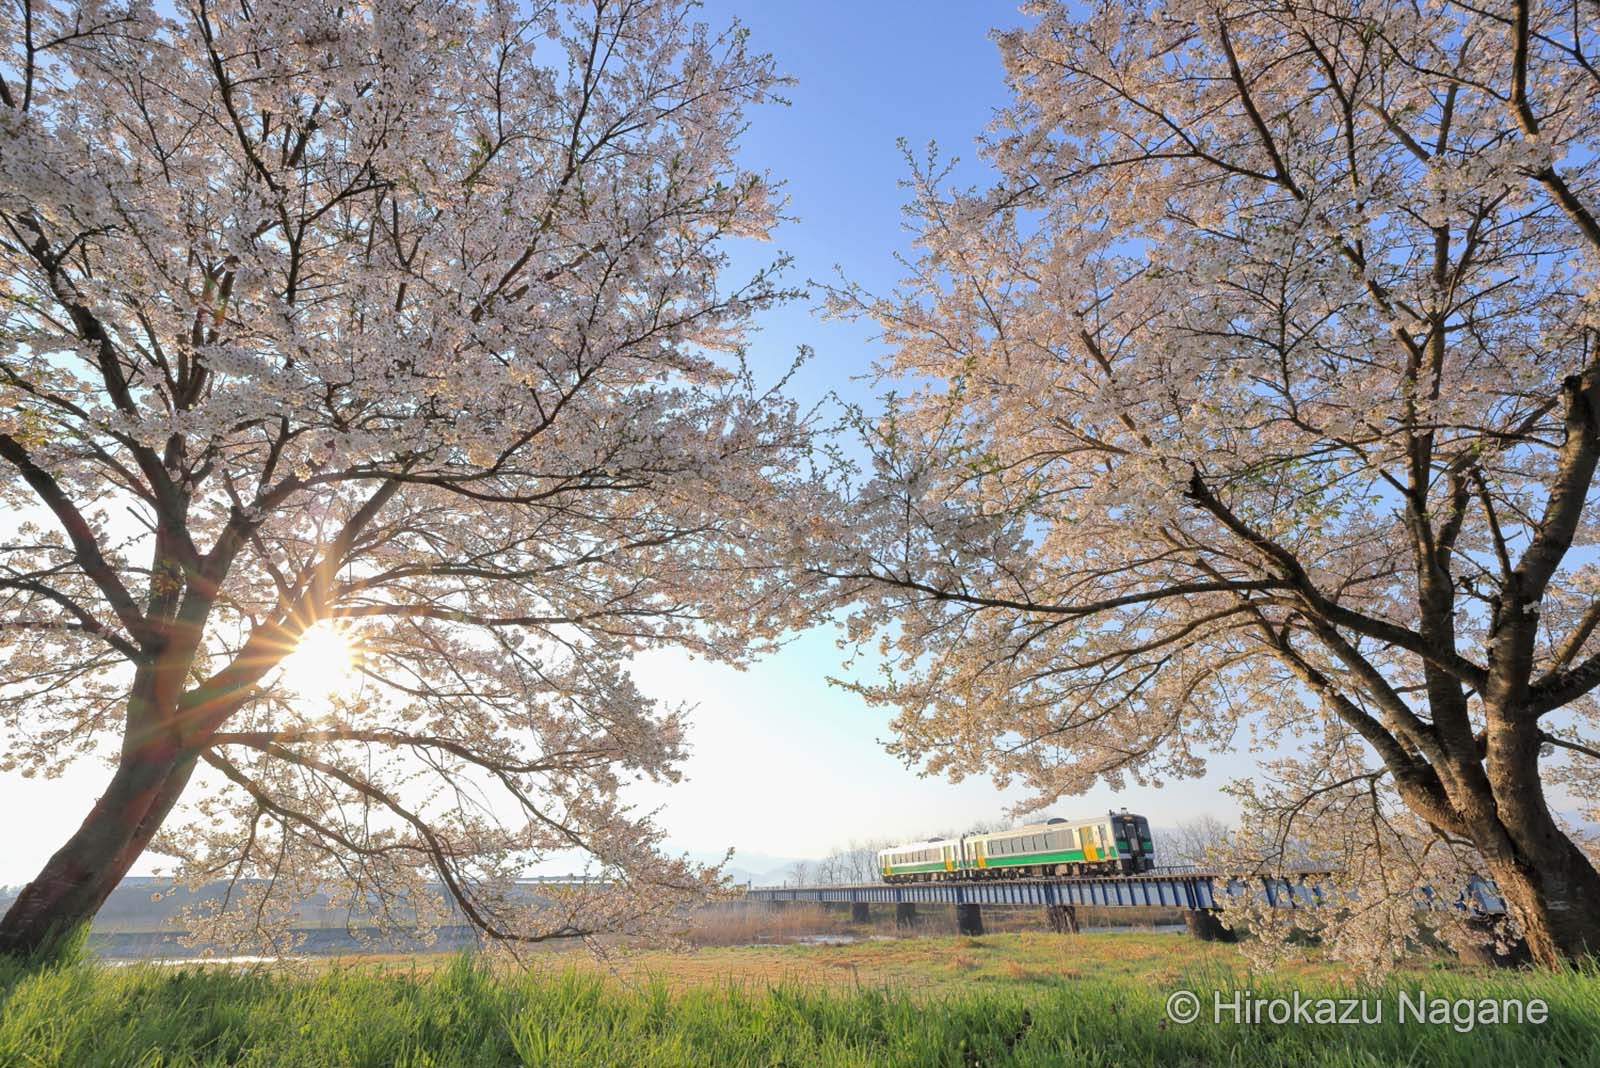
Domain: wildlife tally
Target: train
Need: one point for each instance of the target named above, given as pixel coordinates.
(1117, 843)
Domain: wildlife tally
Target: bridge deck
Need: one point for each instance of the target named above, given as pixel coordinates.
(1127, 891)
(1193, 890)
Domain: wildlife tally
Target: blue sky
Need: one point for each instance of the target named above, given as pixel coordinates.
(785, 765)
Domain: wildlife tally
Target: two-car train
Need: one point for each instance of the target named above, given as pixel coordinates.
(1116, 843)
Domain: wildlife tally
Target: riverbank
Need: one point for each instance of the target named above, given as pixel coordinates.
(725, 924)
(997, 1001)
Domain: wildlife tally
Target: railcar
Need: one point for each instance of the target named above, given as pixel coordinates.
(1117, 843)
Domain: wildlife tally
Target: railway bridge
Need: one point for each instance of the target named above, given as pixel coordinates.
(1198, 894)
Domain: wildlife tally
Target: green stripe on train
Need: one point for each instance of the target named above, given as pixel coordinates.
(1011, 860)
(1063, 857)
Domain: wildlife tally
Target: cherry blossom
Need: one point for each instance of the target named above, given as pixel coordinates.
(1255, 406)
(406, 318)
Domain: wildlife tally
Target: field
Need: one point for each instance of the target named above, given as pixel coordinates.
(1000, 1000)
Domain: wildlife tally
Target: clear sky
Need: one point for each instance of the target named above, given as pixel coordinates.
(785, 765)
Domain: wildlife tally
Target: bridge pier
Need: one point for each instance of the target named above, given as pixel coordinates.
(969, 919)
(860, 912)
(905, 914)
(1204, 925)
(1063, 918)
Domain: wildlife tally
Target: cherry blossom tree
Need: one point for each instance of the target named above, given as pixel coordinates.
(395, 325)
(1259, 403)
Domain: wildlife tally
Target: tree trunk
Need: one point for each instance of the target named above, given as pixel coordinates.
(1554, 893)
(76, 881)
(1549, 884)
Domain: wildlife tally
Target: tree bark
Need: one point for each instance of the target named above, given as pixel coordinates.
(1549, 884)
(1553, 900)
(76, 881)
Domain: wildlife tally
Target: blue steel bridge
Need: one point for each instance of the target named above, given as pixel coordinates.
(1197, 893)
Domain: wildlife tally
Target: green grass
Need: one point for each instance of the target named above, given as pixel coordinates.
(464, 1014)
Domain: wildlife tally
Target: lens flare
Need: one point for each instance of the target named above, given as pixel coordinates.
(323, 665)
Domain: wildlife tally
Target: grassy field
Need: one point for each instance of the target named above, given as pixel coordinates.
(1008, 999)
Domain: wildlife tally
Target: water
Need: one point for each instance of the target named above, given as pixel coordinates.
(166, 947)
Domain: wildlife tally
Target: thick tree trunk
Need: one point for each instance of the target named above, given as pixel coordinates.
(76, 881)
(1549, 884)
(1554, 892)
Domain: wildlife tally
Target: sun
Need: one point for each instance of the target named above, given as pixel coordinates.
(324, 663)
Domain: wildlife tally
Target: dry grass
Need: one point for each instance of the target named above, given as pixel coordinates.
(743, 925)
(942, 966)
(740, 924)
(917, 967)
(1018, 972)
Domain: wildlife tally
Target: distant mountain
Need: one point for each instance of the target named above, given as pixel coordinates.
(759, 869)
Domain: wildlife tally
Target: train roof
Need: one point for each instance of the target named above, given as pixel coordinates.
(1021, 828)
